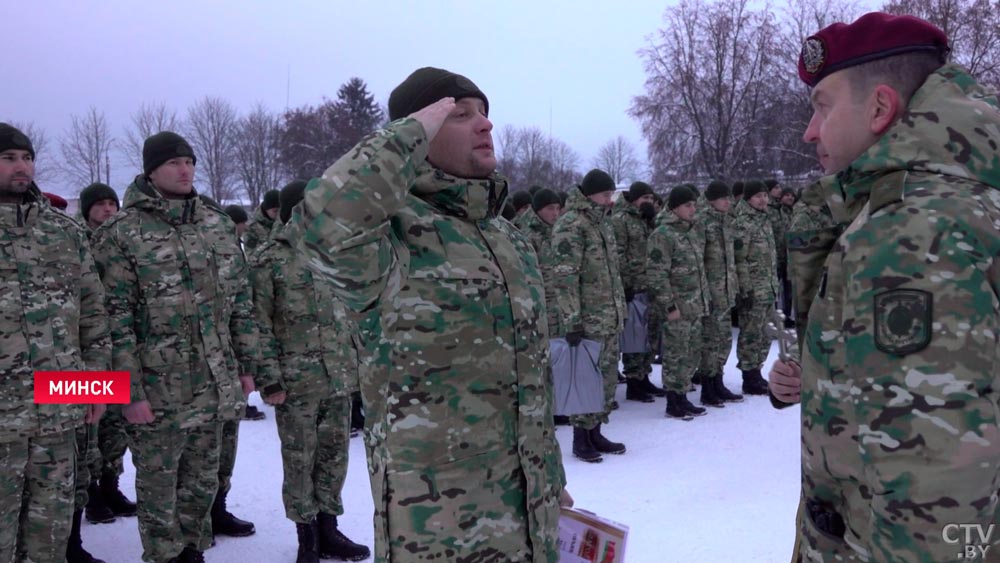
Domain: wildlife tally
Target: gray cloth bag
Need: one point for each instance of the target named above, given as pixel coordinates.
(635, 338)
(578, 385)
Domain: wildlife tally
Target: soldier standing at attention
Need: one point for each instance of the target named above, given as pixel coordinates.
(406, 226)
(590, 297)
(52, 318)
(182, 324)
(308, 369)
(264, 217)
(756, 269)
(898, 381)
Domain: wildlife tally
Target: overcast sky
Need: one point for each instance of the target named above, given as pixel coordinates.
(571, 66)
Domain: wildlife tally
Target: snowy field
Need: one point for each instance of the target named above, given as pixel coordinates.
(720, 488)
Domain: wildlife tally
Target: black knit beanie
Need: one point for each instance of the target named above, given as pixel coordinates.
(787, 191)
(237, 214)
(637, 190)
(595, 182)
(770, 183)
(737, 189)
(271, 200)
(679, 196)
(534, 190)
(291, 194)
(12, 138)
(752, 188)
(545, 197)
(163, 146)
(427, 85)
(717, 189)
(94, 193)
(520, 199)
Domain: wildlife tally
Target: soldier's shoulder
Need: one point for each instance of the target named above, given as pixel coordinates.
(126, 219)
(61, 219)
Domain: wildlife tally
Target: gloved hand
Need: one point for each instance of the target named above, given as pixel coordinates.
(574, 337)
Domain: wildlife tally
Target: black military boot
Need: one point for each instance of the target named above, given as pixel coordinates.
(690, 408)
(191, 555)
(651, 388)
(357, 414)
(602, 444)
(708, 394)
(308, 542)
(74, 547)
(634, 391)
(115, 500)
(753, 382)
(333, 544)
(583, 448)
(723, 393)
(253, 413)
(560, 420)
(97, 510)
(696, 378)
(675, 406)
(225, 524)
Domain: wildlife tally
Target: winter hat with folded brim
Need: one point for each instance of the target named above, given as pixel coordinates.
(520, 199)
(753, 187)
(237, 214)
(543, 198)
(94, 193)
(272, 200)
(163, 146)
(595, 182)
(679, 196)
(12, 138)
(427, 85)
(291, 194)
(717, 189)
(637, 190)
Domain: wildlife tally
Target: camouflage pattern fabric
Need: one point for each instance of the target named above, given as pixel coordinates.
(756, 270)
(631, 235)
(723, 284)
(779, 227)
(607, 364)
(899, 381)
(811, 235)
(315, 432)
(258, 231)
(455, 383)
(52, 317)
(181, 321)
(228, 442)
(112, 441)
(675, 270)
(539, 233)
(176, 479)
(36, 497)
(87, 456)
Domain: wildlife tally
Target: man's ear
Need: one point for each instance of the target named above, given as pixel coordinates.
(886, 105)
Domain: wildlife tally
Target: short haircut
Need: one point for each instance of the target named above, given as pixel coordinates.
(904, 73)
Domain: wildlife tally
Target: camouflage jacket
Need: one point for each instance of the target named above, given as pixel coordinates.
(258, 231)
(589, 291)
(178, 295)
(720, 265)
(676, 268)
(539, 234)
(631, 234)
(755, 256)
(458, 383)
(779, 227)
(305, 333)
(811, 234)
(522, 220)
(52, 314)
(900, 386)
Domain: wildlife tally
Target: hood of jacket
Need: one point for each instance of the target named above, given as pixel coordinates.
(469, 198)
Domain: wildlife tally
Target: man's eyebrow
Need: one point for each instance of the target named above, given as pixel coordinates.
(815, 95)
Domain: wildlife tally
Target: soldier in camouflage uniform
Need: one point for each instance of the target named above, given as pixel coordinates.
(756, 270)
(720, 271)
(546, 207)
(630, 220)
(779, 224)
(259, 229)
(898, 377)
(181, 323)
(308, 369)
(675, 270)
(521, 200)
(462, 452)
(52, 318)
(590, 297)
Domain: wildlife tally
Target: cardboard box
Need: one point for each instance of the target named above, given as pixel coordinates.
(585, 537)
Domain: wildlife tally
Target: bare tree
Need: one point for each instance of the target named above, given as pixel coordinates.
(44, 166)
(147, 121)
(258, 153)
(617, 158)
(86, 149)
(527, 157)
(211, 130)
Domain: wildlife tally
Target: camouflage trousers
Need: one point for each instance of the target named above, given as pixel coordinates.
(637, 366)
(654, 324)
(681, 353)
(753, 344)
(176, 479)
(112, 440)
(716, 342)
(315, 435)
(36, 497)
(608, 366)
(818, 547)
(227, 454)
(87, 457)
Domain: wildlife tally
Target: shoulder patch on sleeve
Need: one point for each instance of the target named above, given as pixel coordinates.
(903, 319)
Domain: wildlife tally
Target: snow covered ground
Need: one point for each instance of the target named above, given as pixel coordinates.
(721, 488)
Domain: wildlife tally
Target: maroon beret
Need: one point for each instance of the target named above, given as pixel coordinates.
(873, 36)
(57, 201)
